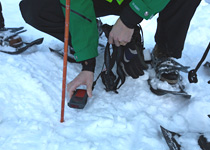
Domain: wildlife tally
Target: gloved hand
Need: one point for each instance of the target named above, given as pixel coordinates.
(133, 60)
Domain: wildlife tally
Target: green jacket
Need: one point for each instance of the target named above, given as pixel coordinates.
(83, 27)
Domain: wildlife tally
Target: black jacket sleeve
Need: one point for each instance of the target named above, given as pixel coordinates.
(129, 17)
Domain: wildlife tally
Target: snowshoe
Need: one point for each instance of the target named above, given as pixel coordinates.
(167, 79)
(11, 29)
(24, 46)
(60, 52)
(11, 42)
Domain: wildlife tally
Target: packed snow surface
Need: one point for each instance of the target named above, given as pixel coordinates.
(30, 97)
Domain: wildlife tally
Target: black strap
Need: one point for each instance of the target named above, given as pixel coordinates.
(108, 78)
(192, 76)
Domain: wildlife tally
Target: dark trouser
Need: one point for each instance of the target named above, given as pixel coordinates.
(44, 15)
(173, 24)
(173, 21)
(1, 17)
(47, 15)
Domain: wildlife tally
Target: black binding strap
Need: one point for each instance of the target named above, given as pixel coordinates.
(108, 78)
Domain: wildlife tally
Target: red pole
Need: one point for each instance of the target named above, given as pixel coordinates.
(66, 41)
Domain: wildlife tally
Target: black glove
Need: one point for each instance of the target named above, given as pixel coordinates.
(133, 60)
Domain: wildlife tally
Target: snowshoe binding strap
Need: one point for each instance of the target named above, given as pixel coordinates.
(168, 65)
(192, 76)
(11, 29)
(13, 35)
(16, 42)
(9, 37)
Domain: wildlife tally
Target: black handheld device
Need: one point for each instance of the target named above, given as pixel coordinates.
(79, 99)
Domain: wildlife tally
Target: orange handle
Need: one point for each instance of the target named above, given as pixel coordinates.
(66, 41)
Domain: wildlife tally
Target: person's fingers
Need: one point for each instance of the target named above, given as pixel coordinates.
(111, 40)
(116, 43)
(89, 89)
(122, 43)
(120, 34)
(71, 87)
(84, 78)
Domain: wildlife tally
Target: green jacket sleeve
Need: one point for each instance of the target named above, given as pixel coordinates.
(83, 29)
(148, 8)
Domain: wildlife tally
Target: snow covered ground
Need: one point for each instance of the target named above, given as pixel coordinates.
(30, 98)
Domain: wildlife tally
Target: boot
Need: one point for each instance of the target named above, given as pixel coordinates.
(165, 67)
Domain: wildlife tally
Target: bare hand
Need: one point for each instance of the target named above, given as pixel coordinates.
(120, 34)
(84, 78)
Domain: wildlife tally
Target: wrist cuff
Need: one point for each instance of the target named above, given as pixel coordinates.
(89, 65)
